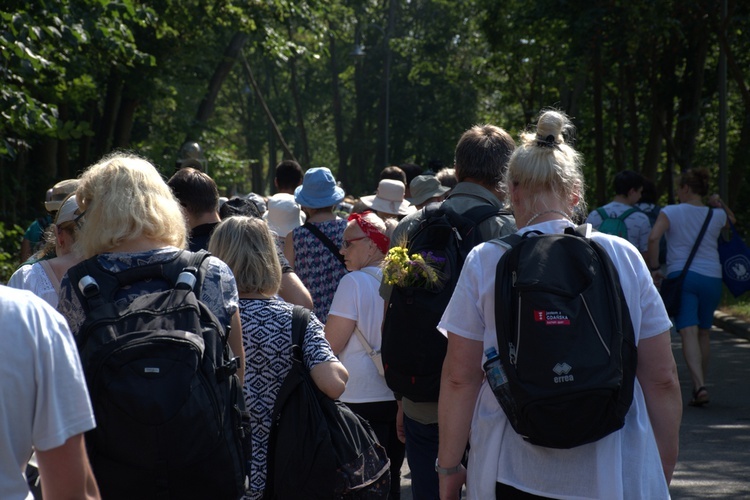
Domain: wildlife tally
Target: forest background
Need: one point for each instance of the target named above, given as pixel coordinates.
(356, 85)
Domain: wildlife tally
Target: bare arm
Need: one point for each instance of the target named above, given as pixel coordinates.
(26, 250)
(660, 227)
(289, 249)
(294, 291)
(716, 201)
(330, 377)
(338, 332)
(235, 343)
(459, 387)
(66, 472)
(657, 374)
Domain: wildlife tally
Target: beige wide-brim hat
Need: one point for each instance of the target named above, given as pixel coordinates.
(283, 214)
(60, 191)
(389, 198)
(424, 187)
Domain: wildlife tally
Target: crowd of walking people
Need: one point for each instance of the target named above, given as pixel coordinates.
(313, 245)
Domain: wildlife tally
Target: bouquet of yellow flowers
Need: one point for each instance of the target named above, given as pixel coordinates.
(420, 270)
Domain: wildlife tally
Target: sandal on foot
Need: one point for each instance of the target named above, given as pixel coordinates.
(700, 397)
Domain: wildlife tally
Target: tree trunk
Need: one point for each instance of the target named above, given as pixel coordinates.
(338, 122)
(738, 167)
(109, 116)
(689, 118)
(601, 176)
(298, 111)
(63, 161)
(208, 104)
(271, 121)
(124, 125)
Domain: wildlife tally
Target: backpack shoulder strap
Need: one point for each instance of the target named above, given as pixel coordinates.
(93, 284)
(468, 221)
(602, 213)
(627, 213)
(325, 240)
(195, 263)
(476, 214)
(300, 319)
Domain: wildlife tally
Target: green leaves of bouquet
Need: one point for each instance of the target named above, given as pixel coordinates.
(419, 270)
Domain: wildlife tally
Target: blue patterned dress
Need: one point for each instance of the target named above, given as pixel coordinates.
(266, 335)
(318, 268)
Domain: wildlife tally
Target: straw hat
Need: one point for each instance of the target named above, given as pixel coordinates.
(283, 214)
(389, 198)
(424, 187)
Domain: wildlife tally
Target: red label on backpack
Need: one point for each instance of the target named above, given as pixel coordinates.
(551, 318)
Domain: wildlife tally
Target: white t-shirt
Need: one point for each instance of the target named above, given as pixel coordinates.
(685, 222)
(624, 464)
(32, 277)
(43, 395)
(637, 223)
(357, 298)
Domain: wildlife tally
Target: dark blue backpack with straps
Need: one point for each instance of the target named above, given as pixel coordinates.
(171, 420)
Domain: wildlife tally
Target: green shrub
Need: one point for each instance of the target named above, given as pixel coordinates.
(735, 306)
(10, 249)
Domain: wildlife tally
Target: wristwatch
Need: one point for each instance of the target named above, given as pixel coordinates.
(448, 471)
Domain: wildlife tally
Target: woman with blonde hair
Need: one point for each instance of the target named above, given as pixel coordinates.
(132, 221)
(132, 218)
(248, 247)
(545, 184)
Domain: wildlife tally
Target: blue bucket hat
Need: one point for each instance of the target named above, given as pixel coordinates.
(318, 189)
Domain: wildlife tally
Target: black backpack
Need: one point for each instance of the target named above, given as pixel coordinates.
(318, 447)
(565, 338)
(412, 348)
(170, 414)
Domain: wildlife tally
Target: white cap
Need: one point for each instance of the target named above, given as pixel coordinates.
(283, 214)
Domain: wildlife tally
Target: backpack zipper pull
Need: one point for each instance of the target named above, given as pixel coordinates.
(512, 353)
(458, 235)
(513, 277)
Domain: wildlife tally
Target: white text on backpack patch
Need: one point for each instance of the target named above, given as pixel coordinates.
(551, 318)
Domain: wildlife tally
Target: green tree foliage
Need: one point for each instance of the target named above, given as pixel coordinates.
(360, 84)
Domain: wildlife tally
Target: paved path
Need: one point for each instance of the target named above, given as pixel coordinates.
(714, 459)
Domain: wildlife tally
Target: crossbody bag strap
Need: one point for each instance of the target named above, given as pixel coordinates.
(325, 240)
(697, 243)
(360, 335)
(363, 341)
